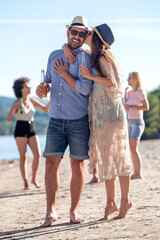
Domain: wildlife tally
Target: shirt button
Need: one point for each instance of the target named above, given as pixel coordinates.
(60, 84)
(59, 93)
(59, 104)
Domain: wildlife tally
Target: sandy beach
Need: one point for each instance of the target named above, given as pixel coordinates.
(22, 212)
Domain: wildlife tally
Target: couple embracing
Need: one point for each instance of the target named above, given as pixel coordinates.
(86, 107)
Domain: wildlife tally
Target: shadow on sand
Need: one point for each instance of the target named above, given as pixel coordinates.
(37, 231)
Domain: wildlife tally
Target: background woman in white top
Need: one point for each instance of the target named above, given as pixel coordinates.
(135, 102)
(24, 130)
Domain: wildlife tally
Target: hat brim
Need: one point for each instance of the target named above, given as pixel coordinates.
(69, 26)
(99, 35)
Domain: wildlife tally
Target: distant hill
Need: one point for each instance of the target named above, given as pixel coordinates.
(7, 128)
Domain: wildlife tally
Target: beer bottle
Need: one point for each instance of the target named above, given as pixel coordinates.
(20, 110)
(43, 85)
(83, 62)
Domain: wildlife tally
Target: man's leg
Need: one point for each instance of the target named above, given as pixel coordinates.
(52, 185)
(76, 187)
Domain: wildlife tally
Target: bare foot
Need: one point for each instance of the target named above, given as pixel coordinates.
(36, 184)
(49, 219)
(26, 186)
(111, 208)
(136, 176)
(123, 210)
(74, 218)
(94, 180)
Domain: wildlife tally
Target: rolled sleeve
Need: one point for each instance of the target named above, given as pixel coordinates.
(83, 86)
(48, 77)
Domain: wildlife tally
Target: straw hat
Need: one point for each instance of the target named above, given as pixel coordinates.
(80, 22)
(105, 34)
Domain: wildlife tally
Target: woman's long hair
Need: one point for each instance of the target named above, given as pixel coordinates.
(98, 50)
(136, 80)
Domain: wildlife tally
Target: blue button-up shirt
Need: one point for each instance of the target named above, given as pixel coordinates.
(65, 102)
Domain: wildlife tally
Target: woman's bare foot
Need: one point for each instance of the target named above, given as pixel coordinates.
(26, 186)
(36, 184)
(111, 208)
(52, 217)
(136, 176)
(94, 180)
(74, 218)
(123, 210)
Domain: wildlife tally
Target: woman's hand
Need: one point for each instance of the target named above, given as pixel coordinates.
(60, 68)
(85, 72)
(126, 106)
(69, 54)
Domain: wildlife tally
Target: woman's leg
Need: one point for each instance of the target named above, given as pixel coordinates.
(34, 145)
(95, 176)
(125, 202)
(136, 158)
(111, 206)
(22, 147)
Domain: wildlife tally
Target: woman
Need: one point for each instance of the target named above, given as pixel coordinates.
(109, 145)
(24, 131)
(135, 103)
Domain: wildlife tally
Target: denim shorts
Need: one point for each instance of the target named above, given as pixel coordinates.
(62, 133)
(135, 128)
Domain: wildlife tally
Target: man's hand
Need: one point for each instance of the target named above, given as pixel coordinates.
(39, 91)
(60, 68)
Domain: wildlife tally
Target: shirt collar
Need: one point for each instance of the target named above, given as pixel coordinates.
(77, 50)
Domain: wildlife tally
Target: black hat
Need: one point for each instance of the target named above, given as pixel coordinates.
(105, 34)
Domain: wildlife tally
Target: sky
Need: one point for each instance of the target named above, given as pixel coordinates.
(31, 29)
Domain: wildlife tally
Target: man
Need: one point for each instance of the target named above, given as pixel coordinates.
(68, 121)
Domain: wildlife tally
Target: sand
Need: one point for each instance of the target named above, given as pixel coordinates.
(22, 212)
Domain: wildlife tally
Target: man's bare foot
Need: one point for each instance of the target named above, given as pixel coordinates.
(52, 217)
(111, 208)
(136, 176)
(36, 184)
(94, 180)
(74, 218)
(123, 210)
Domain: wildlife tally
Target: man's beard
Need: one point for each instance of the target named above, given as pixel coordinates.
(75, 45)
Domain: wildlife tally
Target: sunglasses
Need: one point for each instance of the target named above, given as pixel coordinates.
(81, 34)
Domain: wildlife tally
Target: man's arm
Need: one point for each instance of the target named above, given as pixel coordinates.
(62, 71)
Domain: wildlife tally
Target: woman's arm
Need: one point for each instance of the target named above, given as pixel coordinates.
(69, 53)
(103, 80)
(15, 106)
(144, 106)
(39, 105)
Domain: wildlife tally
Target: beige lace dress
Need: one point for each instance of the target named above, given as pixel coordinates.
(109, 146)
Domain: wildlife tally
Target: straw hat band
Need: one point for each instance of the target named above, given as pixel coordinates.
(78, 24)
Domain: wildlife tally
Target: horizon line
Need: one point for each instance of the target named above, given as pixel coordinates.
(54, 21)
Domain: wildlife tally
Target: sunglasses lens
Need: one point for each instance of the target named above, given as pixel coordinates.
(75, 32)
(82, 34)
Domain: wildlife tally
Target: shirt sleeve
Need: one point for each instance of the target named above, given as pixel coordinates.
(83, 86)
(141, 95)
(48, 77)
